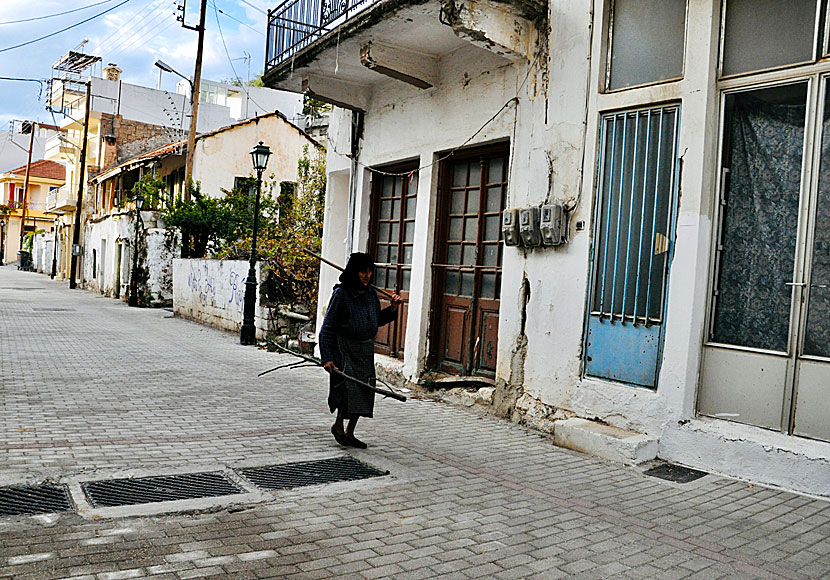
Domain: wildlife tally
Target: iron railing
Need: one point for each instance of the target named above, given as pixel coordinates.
(295, 24)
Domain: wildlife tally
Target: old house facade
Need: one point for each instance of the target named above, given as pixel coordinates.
(610, 212)
(44, 180)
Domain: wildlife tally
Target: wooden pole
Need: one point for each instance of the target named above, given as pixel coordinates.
(26, 183)
(76, 232)
(194, 102)
(333, 265)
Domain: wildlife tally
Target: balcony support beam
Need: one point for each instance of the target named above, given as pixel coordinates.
(495, 26)
(414, 68)
(336, 92)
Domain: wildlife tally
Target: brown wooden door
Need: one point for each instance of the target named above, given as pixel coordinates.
(467, 266)
(390, 245)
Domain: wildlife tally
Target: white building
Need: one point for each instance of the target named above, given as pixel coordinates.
(685, 299)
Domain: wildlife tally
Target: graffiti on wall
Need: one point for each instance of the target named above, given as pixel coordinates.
(202, 283)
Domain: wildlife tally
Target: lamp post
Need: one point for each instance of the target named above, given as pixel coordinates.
(247, 334)
(55, 250)
(133, 298)
(2, 239)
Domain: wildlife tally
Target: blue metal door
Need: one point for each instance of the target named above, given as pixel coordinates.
(633, 234)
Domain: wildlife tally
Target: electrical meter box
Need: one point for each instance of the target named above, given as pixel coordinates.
(77, 250)
(529, 226)
(552, 225)
(510, 227)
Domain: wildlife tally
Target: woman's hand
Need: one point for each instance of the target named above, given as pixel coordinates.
(396, 300)
(330, 366)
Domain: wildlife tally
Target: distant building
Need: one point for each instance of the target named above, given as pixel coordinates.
(45, 178)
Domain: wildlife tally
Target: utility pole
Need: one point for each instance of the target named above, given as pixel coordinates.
(194, 101)
(76, 233)
(32, 127)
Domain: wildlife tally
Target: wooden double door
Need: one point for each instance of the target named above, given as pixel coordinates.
(467, 264)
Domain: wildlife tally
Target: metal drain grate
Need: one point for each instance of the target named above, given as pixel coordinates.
(291, 475)
(47, 309)
(140, 490)
(675, 473)
(29, 500)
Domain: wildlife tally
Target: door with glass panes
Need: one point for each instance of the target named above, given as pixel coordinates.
(392, 235)
(467, 262)
(766, 361)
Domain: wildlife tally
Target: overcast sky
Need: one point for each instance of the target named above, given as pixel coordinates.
(133, 36)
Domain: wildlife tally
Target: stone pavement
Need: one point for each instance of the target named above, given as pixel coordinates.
(92, 389)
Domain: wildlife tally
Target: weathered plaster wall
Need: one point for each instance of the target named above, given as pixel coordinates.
(221, 156)
(213, 292)
(112, 276)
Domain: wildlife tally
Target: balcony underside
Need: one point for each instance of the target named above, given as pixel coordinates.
(406, 44)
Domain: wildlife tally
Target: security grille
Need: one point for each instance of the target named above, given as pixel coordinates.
(675, 473)
(30, 500)
(291, 475)
(131, 491)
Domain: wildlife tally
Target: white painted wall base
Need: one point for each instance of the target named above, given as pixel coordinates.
(749, 453)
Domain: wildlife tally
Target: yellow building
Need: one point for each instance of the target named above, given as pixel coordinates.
(45, 178)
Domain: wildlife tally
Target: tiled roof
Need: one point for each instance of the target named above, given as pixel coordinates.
(43, 168)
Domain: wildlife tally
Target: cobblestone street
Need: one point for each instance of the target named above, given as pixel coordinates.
(94, 390)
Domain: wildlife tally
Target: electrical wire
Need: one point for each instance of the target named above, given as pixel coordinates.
(56, 14)
(8, 48)
(212, 3)
(513, 100)
(257, 8)
(137, 33)
(119, 31)
(230, 61)
(142, 34)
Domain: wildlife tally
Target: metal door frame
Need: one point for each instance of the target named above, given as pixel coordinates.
(804, 238)
(671, 231)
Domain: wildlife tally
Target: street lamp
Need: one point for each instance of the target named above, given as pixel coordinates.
(2, 240)
(133, 298)
(167, 68)
(247, 334)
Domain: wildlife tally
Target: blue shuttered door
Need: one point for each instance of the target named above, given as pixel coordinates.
(633, 231)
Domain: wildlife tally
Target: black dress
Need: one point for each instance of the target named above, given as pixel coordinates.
(347, 339)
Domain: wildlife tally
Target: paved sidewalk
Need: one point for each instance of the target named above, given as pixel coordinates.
(92, 389)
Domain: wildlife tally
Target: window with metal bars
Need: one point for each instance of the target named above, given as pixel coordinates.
(631, 243)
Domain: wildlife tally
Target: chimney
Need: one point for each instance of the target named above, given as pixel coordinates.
(112, 72)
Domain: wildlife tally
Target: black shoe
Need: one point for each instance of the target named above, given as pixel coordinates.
(354, 442)
(340, 437)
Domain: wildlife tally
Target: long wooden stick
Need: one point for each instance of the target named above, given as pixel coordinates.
(318, 363)
(333, 265)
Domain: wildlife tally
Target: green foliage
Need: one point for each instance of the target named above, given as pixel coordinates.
(29, 239)
(312, 106)
(293, 273)
(4, 209)
(151, 188)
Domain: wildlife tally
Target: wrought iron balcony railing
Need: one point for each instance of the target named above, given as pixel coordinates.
(295, 24)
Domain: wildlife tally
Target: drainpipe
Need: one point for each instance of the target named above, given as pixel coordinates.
(356, 134)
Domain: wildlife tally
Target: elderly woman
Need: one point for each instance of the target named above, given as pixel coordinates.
(347, 344)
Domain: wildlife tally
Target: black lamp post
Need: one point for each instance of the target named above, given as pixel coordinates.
(2, 239)
(55, 251)
(133, 298)
(247, 334)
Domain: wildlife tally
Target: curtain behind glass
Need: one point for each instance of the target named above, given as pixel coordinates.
(817, 336)
(759, 228)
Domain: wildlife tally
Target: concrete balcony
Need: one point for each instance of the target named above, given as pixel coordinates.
(62, 200)
(58, 149)
(343, 54)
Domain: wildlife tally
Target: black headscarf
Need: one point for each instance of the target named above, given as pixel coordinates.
(358, 262)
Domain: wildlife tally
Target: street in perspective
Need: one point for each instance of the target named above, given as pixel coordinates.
(107, 410)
